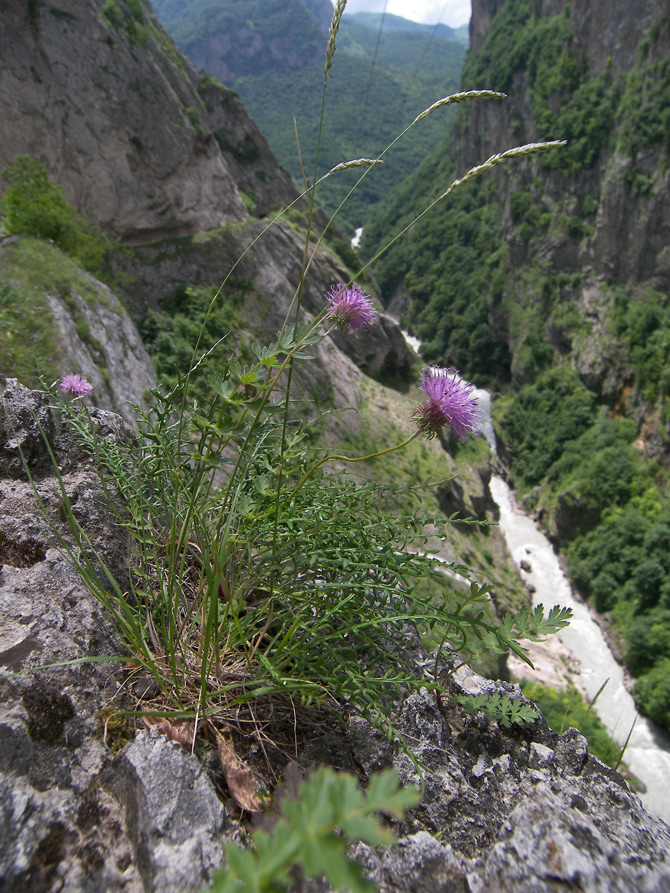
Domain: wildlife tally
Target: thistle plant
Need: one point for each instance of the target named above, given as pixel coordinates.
(266, 579)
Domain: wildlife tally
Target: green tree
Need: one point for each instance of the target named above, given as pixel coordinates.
(35, 206)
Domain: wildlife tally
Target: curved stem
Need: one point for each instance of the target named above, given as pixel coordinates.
(391, 449)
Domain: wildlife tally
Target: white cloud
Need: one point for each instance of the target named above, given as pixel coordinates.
(449, 12)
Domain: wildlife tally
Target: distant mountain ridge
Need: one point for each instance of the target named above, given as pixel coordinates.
(397, 23)
(273, 51)
(232, 40)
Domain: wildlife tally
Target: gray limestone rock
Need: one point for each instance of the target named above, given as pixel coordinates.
(508, 809)
(416, 864)
(112, 357)
(174, 818)
(60, 829)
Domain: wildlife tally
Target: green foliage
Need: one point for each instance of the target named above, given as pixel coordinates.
(30, 270)
(645, 107)
(529, 215)
(452, 264)
(641, 323)
(542, 418)
(193, 118)
(623, 564)
(111, 11)
(648, 635)
(24, 337)
(567, 709)
(586, 120)
(499, 708)
(192, 316)
(62, 14)
(600, 462)
(33, 205)
(246, 151)
(505, 50)
(652, 690)
(128, 16)
(309, 837)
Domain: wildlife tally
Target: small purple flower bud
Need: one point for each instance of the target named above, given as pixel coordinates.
(76, 385)
(350, 308)
(451, 402)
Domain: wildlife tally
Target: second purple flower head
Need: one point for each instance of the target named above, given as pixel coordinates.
(451, 401)
(350, 308)
(76, 385)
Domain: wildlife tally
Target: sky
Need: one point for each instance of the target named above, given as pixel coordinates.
(449, 12)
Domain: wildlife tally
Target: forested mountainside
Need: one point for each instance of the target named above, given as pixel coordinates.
(272, 53)
(550, 283)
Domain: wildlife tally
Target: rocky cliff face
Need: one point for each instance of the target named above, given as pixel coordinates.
(99, 94)
(277, 36)
(147, 149)
(72, 323)
(606, 201)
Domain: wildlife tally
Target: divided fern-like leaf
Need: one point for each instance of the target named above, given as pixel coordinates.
(310, 836)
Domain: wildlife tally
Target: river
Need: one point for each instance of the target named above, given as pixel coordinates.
(648, 750)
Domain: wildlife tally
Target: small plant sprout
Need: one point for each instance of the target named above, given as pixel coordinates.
(350, 308)
(76, 385)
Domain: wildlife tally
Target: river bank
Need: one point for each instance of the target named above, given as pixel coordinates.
(648, 750)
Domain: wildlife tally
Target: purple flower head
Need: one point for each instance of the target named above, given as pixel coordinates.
(350, 308)
(77, 385)
(451, 401)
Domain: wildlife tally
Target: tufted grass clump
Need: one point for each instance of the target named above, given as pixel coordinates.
(262, 576)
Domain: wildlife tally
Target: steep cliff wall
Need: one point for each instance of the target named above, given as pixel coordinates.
(143, 147)
(557, 231)
(568, 62)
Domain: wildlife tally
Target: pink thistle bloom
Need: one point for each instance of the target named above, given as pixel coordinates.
(77, 385)
(350, 308)
(450, 402)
